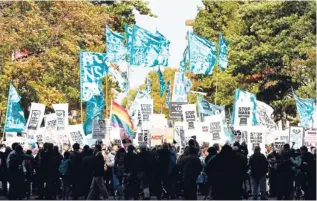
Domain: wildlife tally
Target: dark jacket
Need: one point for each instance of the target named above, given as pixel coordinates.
(163, 160)
(258, 165)
(284, 164)
(131, 162)
(99, 163)
(74, 166)
(190, 167)
(146, 162)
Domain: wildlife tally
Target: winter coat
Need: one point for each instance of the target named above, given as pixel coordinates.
(258, 165)
(98, 166)
(190, 167)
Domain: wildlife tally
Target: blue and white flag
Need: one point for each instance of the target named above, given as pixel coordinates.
(120, 75)
(161, 81)
(188, 84)
(15, 121)
(135, 110)
(168, 94)
(93, 69)
(264, 116)
(244, 109)
(182, 63)
(179, 88)
(94, 111)
(148, 86)
(145, 48)
(222, 53)
(207, 109)
(307, 111)
(116, 50)
(202, 54)
(164, 51)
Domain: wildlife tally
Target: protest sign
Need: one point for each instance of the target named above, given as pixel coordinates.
(156, 136)
(189, 116)
(179, 134)
(241, 133)
(61, 111)
(216, 128)
(50, 133)
(280, 139)
(310, 138)
(264, 114)
(256, 137)
(146, 107)
(168, 136)
(158, 121)
(176, 112)
(296, 136)
(143, 137)
(179, 88)
(76, 134)
(35, 118)
(243, 114)
(99, 129)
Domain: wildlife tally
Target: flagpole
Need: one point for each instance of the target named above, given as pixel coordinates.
(216, 93)
(81, 92)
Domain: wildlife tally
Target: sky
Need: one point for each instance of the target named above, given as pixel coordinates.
(172, 15)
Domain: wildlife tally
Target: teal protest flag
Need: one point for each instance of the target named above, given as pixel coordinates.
(168, 94)
(93, 69)
(15, 121)
(222, 53)
(307, 111)
(182, 64)
(202, 54)
(116, 50)
(94, 111)
(161, 81)
(145, 47)
(164, 50)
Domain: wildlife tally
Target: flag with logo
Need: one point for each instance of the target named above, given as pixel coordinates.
(94, 111)
(116, 50)
(120, 75)
(207, 109)
(244, 109)
(222, 53)
(168, 94)
(202, 54)
(179, 88)
(161, 81)
(306, 109)
(164, 50)
(93, 69)
(15, 121)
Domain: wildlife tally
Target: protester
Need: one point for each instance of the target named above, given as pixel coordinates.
(4, 171)
(28, 166)
(65, 175)
(98, 184)
(74, 169)
(259, 168)
(272, 159)
(110, 166)
(87, 170)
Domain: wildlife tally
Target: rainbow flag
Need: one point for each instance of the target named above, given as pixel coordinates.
(120, 118)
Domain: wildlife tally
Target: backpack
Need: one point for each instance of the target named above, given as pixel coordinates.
(63, 166)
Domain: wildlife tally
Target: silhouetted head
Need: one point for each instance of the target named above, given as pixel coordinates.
(76, 147)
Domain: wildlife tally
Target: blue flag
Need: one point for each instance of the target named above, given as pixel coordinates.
(93, 69)
(161, 81)
(182, 64)
(208, 109)
(307, 110)
(188, 84)
(145, 48)
(202, 54)
(164, 50)
(128, 35)
(94, 111)
(148, 86)
(222, 53)
(168, 94)
(15, 121)
(116, 50)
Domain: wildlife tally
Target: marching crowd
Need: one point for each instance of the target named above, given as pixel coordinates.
(164, 171)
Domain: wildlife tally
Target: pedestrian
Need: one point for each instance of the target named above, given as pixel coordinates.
(308, 168)
(259, 168)
(4, 170)
(75, 173)
(64, 174)
(190, 167)
(98, 184)
(110, 167)
(28, 166)
(131, 162)
(87, 171)
(272, 160)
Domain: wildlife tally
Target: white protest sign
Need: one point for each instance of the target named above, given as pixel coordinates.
(61, 111)
(243, 114)
(296, 136)
(256, 137)
(99, 129)
(76, 134)
(216, 128)
(179, 88)
(146, 106)
(158, 121)
(310, 138)
(264, 116)
(241, 133)
(189, 117)
(179, 132)
(143, 137)
(35, 118)
(156, 136)
(50, 134)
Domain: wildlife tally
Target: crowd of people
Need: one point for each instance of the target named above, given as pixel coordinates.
(219, 172)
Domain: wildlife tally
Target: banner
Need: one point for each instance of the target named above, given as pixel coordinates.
(119, 73)
(35, 118)
(203, 133)
(10, 137)
(241, 134)
(99, 129)
(310, 138)
(158, 121)
(189, 116)
(168, 136)
(244, 109)
(93, 69)
(182, 64)
(134, 110)
(207, 109)
(76, 134)
(40, 135)
(256, 137)
(146, 107)
(164, 51)
(94, 111)
(15, 121)
(296, 136)
(176, 111)
(144, 137)
(61, 111)
(156, 136)
(264, 116)
(116, 50)
(216, 129)
(162, 82)
(179, 88)
(222, 53)
(202, 54)
(306, 109)
(50, 133)
(168, 94)
(128, 35)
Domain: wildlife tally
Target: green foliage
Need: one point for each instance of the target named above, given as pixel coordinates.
(54, 33)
